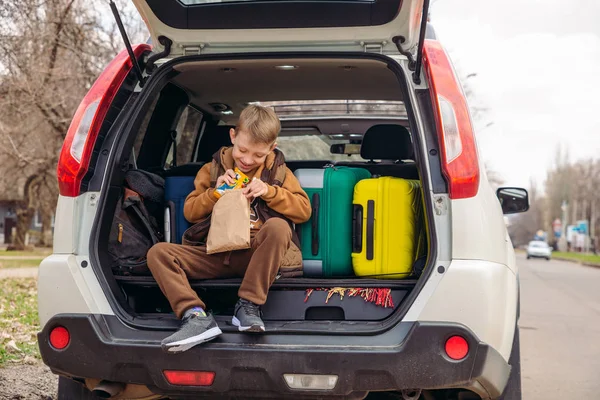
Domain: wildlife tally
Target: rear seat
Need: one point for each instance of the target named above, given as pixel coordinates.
(213, 141)
(387, 143)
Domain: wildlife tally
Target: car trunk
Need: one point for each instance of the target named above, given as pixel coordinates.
(203, 95)
(215, 26)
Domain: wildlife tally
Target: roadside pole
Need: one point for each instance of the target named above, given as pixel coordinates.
(592, 232)
(562, 242)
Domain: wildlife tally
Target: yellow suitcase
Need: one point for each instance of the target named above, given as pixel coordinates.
(388, 227)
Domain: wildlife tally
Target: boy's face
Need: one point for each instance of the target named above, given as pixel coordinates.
(248, 154)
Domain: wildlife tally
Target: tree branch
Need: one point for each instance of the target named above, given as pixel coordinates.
(57, 33)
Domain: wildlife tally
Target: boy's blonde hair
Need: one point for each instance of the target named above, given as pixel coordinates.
(260, 122)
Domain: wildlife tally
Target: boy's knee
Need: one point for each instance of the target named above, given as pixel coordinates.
(277, 227)
(156, 252)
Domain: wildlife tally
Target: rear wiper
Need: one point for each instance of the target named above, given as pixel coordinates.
(136, 66)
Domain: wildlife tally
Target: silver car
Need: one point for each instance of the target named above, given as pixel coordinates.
(539, 249)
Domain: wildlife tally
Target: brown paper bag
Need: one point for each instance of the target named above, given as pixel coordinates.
(230, 224)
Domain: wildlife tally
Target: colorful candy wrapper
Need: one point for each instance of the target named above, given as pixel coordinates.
(241, 180)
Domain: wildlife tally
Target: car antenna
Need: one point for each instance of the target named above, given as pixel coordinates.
(136, 65)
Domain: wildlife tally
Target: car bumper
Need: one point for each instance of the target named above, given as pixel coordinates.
(409, 356)
(539, 255)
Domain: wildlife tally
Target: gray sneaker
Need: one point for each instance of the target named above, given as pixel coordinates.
(246, 317)
(195, 329)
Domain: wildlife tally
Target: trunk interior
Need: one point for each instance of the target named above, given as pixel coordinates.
(326, 105)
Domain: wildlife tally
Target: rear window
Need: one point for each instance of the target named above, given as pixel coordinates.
(195, 2)
(243, 14)
(308, 143)
(336, 108)
(306, 148)
(538, 244)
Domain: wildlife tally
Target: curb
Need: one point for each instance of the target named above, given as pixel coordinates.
(584, 263)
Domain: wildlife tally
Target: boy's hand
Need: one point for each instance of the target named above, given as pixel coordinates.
(255, 188)
(228, 177)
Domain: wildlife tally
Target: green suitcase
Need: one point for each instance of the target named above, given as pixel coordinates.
(327, 237)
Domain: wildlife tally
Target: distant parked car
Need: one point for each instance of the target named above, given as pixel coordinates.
(539, 249)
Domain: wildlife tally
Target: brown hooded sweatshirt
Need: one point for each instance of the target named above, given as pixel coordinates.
(289, 199)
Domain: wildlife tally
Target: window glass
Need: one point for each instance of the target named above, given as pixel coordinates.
(187, 132)
(305, 148)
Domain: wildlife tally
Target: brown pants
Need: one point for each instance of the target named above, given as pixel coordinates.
(173, 264)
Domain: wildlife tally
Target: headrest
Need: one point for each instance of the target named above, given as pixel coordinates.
(212, 141)
(386, 142)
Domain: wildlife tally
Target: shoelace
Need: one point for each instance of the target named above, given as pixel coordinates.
(251, 309)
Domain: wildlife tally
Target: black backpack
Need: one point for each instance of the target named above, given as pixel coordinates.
(137, 223)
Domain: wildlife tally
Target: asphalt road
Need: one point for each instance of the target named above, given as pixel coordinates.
(560, 330)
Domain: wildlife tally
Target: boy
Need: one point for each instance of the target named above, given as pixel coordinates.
(273, 243)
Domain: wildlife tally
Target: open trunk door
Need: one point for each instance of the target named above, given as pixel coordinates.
(233, 26)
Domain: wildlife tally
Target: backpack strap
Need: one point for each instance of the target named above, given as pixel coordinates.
(276, 175)
(216, 170)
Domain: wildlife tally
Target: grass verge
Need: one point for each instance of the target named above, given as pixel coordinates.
(586, 258)
(19, 322)
(37, 253)
(25, 263)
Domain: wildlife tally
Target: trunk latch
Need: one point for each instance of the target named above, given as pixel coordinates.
(192, 50)
(373, 47)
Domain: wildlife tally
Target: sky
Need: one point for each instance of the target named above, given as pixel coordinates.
(537, 66)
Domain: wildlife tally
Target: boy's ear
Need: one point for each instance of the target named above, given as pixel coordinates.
(232, 135)
(274, 146)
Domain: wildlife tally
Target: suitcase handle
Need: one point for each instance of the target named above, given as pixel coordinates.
(298, 229)
(370, 228)
(316, 200)
(173, 223)
(357, 217)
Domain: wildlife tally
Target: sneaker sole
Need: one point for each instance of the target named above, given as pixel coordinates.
(251, 328)
(186, 344)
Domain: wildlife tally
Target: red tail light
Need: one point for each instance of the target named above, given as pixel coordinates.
(190, 378)
(60, 337)
(460, 162)
(78, 145)
(457, 347)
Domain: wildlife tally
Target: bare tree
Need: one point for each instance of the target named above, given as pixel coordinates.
(523, 227)
(51, 51)
(576, 184)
